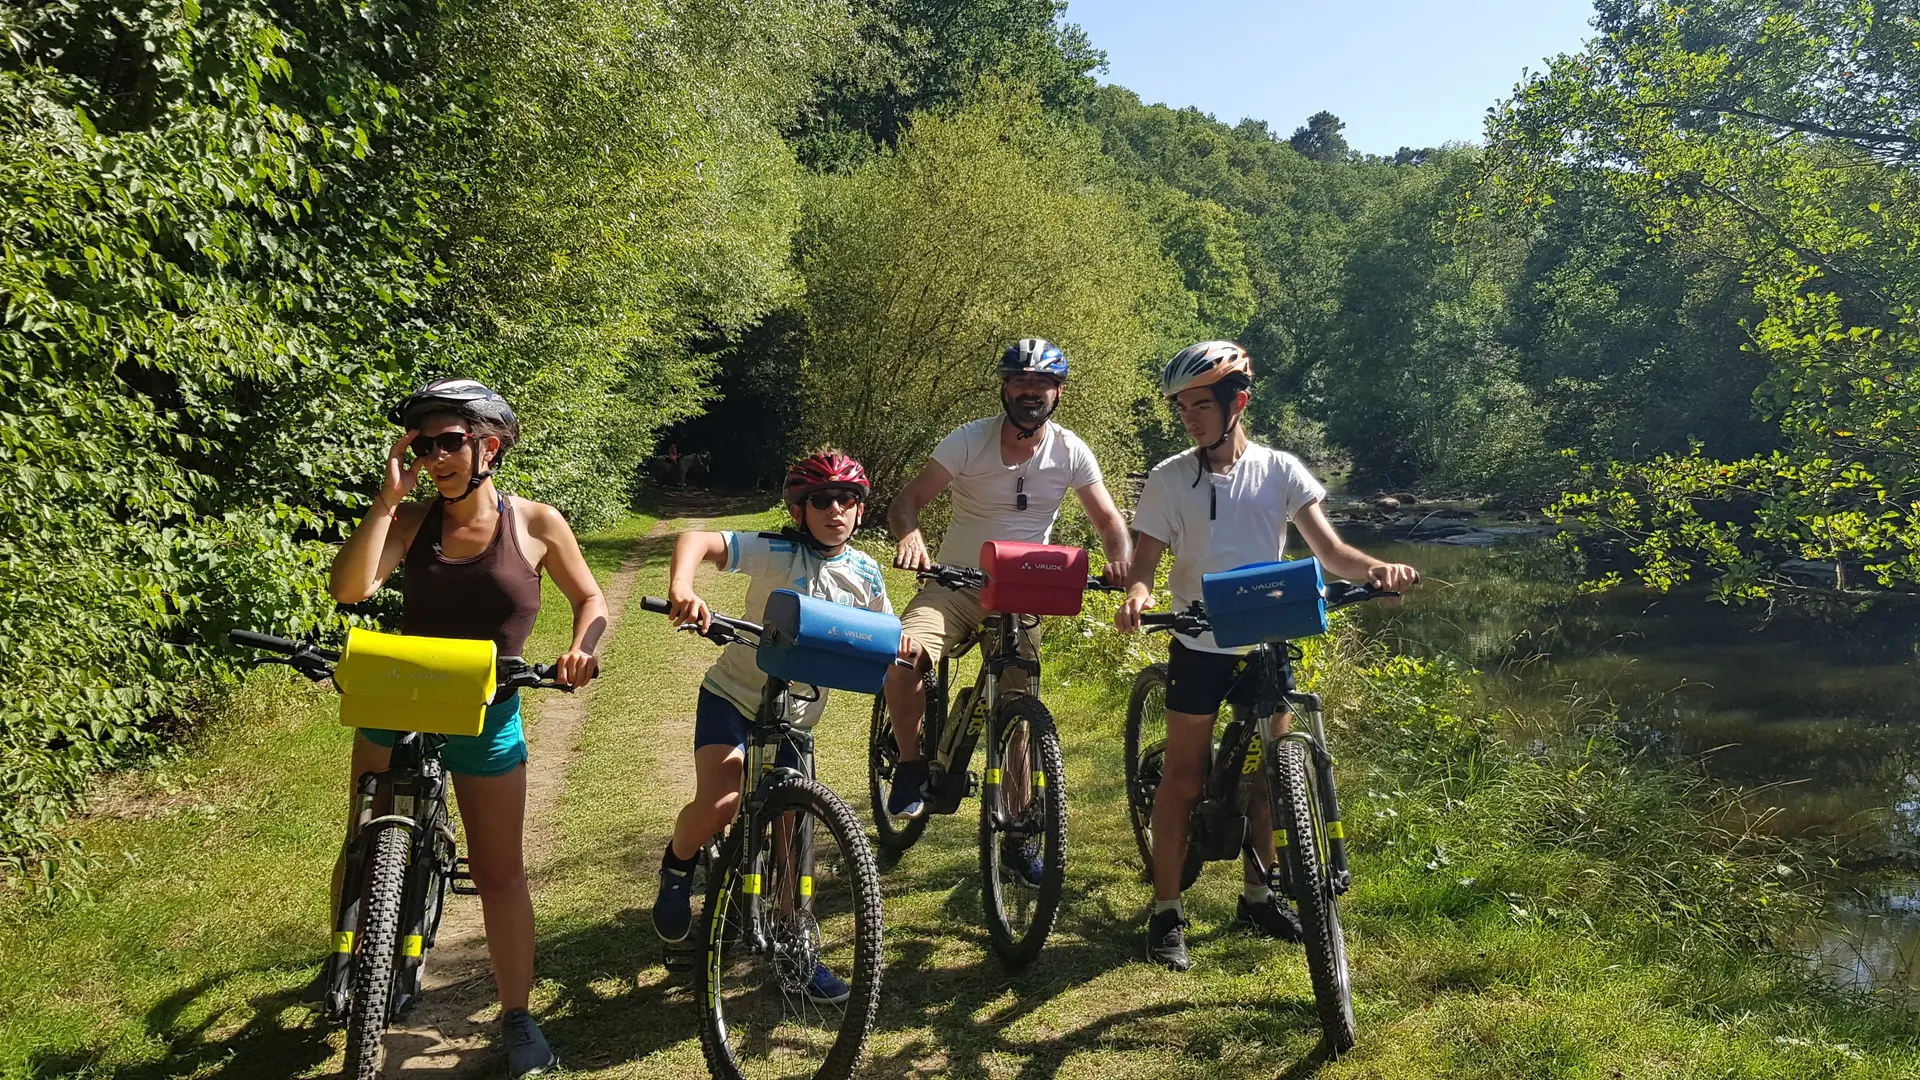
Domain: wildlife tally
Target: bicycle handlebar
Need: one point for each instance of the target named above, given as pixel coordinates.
(1194, 621)
(968, 577)
(317, 663)
(721, 629)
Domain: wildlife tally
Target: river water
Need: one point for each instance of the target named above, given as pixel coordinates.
(1817, 713)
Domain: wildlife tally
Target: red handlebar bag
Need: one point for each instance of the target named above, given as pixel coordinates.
(1033, 579)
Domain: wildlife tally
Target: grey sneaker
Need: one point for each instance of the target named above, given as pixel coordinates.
(527, 1051)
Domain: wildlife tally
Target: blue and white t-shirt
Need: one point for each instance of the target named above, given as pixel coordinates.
(775, 562)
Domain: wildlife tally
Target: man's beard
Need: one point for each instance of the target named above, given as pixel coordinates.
(1028, 411)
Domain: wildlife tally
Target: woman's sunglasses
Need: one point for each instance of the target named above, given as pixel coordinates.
(827, 500)
(447, 442)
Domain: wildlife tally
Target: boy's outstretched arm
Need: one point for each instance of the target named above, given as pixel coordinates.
(692, 549)
(1345, 560)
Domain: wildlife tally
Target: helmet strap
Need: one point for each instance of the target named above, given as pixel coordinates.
(475, 477)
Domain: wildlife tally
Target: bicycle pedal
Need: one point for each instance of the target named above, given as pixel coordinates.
(460, 881)
(973, 783)
(681, 959)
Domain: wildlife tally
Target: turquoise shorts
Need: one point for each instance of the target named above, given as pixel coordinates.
(500, 748)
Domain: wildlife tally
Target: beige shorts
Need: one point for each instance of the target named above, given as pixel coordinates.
(939, 619)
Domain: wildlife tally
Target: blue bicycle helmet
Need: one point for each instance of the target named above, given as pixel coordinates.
(1036, 355)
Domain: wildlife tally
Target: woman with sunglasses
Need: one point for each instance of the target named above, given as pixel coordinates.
(825, 493)
(473, 559)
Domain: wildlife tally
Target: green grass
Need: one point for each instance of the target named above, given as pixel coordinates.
(1563, 914)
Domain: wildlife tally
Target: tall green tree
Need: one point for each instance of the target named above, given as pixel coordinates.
(1781, 134)
(1319, 139)
(982, 227)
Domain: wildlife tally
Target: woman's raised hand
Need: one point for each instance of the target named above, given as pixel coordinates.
(401, 476)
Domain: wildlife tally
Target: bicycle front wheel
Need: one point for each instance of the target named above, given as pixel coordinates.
(790, 979)
(374, 959)
(1023, 831)
(1296, 812)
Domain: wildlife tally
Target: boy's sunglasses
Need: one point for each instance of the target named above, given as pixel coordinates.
(447, 442)
(827, 500)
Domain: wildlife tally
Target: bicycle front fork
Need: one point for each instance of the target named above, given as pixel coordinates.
(1307, 708)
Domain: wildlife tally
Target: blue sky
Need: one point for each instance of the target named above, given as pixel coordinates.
(1399, 72)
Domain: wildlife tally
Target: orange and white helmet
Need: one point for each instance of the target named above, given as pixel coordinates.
(1203, 365)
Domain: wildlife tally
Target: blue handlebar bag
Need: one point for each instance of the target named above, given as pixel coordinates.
(816, 641)
(1268, 601)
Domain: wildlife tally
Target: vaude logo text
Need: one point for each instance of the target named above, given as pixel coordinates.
(1052, 568)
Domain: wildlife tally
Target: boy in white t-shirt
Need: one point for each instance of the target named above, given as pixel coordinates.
(1223, 504)
(824, 493)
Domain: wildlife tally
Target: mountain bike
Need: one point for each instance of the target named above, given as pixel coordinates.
(1023, 799)
(793, 884)
(399, 865)
(1312, 865)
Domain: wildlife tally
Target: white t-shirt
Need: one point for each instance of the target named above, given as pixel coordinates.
(1250, 505)
(774, 562)
(986, 492)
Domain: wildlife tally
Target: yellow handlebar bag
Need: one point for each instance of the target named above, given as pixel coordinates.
(400, 683)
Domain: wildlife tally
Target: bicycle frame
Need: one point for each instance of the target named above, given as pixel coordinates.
(1247, 746)
(757, 780)
(949, 778)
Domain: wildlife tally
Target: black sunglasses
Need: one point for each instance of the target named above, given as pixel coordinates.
(827, 500)
(448, 442)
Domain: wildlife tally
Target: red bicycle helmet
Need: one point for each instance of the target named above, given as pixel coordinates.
(822, 471)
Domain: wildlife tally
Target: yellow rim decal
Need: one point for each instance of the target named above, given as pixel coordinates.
(1335, 832)
(1280, 838)
(993, 776)
(343, 941)
(411, 947)
(1039, 779)
(750, 884)
(806, 884)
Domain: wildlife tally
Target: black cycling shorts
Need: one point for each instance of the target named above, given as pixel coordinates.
(1199, 681)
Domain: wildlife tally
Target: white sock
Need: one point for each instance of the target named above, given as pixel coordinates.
(1256, 894)
(1168, 905)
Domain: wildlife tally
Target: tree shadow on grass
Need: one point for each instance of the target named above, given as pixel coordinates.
(282, 1036)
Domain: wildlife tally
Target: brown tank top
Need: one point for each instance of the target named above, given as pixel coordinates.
(494, 594)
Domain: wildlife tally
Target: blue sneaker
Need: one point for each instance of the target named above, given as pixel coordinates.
(826, 987)
(673, 907)
(1021, 857)
(905, 799)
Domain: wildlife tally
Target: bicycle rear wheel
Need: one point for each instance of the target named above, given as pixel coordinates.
(818, 889)
(1020, 912)
(374, 960)
(1146, 756)
(883, 756)
(1296, 811)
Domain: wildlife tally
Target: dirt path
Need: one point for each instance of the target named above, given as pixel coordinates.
(450, 1033)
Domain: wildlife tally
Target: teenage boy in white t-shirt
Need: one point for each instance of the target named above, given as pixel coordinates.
(1223, 504)
(1009, 475)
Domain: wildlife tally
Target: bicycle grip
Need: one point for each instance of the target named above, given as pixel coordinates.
(251, 640)
(655, 604)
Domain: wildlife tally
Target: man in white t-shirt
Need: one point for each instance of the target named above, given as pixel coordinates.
(1223, 504)
(1009, 475)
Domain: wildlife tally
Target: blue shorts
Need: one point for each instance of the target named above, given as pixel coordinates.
(717, 722)
(500, 748)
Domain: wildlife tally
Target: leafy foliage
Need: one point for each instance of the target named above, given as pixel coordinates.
(981, 228)
(1779, 137)
(230, 232)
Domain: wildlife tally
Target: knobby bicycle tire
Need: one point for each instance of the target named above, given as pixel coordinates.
(895, 835)
(1297, 811)
(1020, 947)
(719, 940)
(378, 945)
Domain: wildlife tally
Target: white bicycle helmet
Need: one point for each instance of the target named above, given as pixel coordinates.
(1203, 365)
